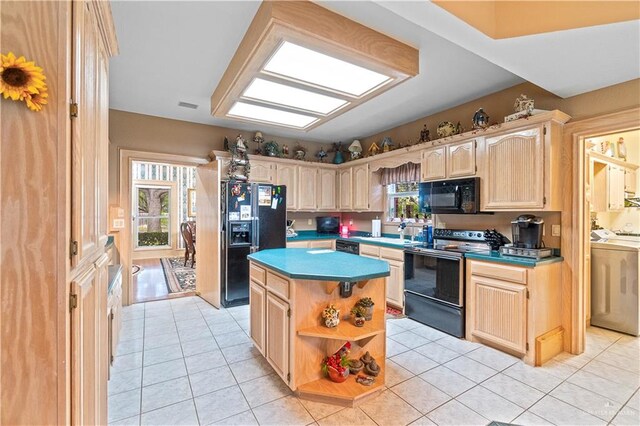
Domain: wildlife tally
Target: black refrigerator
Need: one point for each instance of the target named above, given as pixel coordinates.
(254, 217)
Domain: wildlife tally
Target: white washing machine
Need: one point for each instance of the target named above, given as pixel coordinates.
(615, 301)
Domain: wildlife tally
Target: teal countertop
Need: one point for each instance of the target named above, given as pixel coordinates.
(358, 237)
(320, 264)
(495, 256)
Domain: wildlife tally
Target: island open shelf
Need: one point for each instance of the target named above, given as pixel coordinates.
(287, 301)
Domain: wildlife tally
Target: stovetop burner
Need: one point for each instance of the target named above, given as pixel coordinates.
(456, 242)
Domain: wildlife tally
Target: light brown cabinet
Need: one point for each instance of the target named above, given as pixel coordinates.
(114, 316)
(514, 171)
(516, 309)
(261, 171)
(326, 189)
(616, 188)
(500, 312)
(307, 188)
(608, 187)
(434, 163)
(395, 281)
(287, 174)
(278, 335)
(461, 159)
(345, 189)
(360, 187)
(630, 181)
(316, 244)
(257, 302)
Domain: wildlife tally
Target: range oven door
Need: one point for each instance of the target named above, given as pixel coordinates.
(434, 290)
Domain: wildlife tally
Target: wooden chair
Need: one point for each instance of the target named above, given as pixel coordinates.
(189, 244)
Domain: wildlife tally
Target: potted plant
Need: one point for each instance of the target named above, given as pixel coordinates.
(331, 316)
(336, 366)
(358, 313)
(367, 304)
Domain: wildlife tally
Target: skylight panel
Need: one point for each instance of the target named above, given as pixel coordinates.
(270, 115)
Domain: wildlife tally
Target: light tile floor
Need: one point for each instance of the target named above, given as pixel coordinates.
(182, 361)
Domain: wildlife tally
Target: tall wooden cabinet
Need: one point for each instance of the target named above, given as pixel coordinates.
(326, 196)
(361, 187)
(54, 277)
(287, 174)
(345, 189)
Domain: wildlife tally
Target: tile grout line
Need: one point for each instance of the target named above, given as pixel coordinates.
(193, 399)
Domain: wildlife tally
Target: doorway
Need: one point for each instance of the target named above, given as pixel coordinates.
(163, 231)
(576, 215)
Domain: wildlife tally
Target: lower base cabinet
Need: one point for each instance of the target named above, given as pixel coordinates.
(328, 244)
(257, 297)
(277, 347)
(395, 281)
(515, 309)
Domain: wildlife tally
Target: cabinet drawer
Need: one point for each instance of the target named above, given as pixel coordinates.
(328, 244)
(297, 244)
(257, 273)
(369, 250)
(391, 254)
(499, 272)
(278, 285)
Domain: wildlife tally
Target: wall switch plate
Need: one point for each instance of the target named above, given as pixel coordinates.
(555, 230)
(350, 222)
(309, 222)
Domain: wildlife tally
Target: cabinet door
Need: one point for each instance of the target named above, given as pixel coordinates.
(326, 189)
(287, 175)
(434, 165)
(278, 335)
(514, 171)
(327, 244)
(395, 283)
(104, 351)
(461, 159)
(257, 295)
(499, 312)
(261, 171)
(85, 350)
(307, 188)
(360, 187)
(616, 188)
(630, 182)
(102, 148)
(84, 135)
(345, 188)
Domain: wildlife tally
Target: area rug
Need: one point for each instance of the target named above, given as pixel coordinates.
(180, 278)
(394, 313)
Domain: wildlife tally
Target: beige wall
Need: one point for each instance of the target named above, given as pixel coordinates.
(146, 133)
(500, 104)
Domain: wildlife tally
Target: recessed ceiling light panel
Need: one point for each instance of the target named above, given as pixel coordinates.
(307, 65)
(282, 94)
(270, 115)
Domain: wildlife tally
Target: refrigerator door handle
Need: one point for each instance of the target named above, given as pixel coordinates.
(257, 234)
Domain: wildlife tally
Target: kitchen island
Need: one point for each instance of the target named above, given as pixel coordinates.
(289, 289)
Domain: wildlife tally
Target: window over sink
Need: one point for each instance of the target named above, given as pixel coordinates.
(402, 202)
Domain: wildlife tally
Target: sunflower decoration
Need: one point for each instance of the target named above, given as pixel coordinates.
(21, 80)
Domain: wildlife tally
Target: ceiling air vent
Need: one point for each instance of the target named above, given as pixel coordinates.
(187, 105)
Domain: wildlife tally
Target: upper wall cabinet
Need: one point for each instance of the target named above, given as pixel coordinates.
(326, 196)
(307, 188)
(461, 159)
(434, 163)
(514, 172)
(449, 161)
(287, 175)
(522, 169)
(361, 187)
(262, 171)
(345, 189)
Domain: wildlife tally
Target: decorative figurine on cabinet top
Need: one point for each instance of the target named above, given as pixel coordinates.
(240, 144)
(339, 158)
(424, 135)
(299, 152)
(387, 143)
(355, 149)
(523, 104)
(373, 149)
(480, 119)
(321, 155)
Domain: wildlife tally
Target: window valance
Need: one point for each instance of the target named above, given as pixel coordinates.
(408, 172)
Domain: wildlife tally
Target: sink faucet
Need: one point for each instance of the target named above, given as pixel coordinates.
(401, 229)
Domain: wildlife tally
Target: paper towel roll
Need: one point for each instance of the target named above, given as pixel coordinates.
(375, 227)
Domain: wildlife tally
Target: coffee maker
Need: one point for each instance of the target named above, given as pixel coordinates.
(527, 231)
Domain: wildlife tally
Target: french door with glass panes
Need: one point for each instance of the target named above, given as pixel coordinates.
(152, 216)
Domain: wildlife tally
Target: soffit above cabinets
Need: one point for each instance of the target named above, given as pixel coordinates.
(501, 19)
(299, 65)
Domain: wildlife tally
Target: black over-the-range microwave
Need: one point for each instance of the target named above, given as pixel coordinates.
(453, 196)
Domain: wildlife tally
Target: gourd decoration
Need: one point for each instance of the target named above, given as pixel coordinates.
(331, 316)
